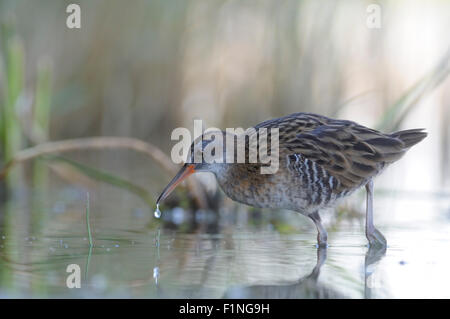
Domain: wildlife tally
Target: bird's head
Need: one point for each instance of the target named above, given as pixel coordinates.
(206, 154)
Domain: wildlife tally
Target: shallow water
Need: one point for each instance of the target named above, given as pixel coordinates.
(234, 254)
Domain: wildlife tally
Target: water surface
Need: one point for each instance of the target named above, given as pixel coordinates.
(209, 254)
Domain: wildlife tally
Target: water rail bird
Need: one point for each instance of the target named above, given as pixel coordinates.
(321, 160)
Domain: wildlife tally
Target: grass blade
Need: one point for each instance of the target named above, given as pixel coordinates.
(395, 114)
(108, 178)
(88, 224)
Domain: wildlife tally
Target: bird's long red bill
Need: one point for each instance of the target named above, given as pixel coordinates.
(185, 171)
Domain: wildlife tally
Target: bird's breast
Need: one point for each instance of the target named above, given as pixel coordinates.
(303, 189)
(263, 190)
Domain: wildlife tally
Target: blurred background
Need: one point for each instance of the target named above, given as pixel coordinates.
(143, 68)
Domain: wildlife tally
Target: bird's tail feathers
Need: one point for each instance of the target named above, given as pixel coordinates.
(410, 137)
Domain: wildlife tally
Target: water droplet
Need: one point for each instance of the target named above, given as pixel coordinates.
(157, 212)
(116, 245)
(108, 249)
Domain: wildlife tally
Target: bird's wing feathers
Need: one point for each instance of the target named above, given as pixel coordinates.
(291, 125)
(348, 151)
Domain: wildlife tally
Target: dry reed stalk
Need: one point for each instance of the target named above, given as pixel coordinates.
(104, 143)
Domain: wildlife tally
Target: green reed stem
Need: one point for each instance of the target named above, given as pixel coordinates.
(88, 261)
(88, 225)
(14, 69)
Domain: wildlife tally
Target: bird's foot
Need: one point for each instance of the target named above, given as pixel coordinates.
(376, 239)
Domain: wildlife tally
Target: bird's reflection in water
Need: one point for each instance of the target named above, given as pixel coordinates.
(307, 287)
(373, 256)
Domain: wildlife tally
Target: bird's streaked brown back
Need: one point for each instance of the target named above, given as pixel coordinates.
(348, 151)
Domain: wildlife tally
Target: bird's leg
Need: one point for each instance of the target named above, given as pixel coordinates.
(374, 236)
(322, 233)
(321, 258)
